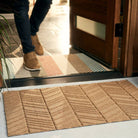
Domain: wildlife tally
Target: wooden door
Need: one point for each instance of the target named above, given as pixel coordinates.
(129, 54)
(101, 15)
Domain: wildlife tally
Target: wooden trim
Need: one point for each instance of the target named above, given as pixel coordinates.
(125, 43)
(131, 37)
(116, 39)
(130, 10)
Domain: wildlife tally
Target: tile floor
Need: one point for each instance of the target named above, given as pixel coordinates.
(126, 129)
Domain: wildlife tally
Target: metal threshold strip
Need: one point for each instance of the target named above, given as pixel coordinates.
(21, 82)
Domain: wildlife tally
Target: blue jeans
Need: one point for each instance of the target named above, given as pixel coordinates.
(25, 26)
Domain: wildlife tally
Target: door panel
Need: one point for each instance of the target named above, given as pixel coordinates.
(92, 9)
(105, 12)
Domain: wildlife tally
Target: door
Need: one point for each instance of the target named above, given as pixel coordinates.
(129, 54)
(92, 26)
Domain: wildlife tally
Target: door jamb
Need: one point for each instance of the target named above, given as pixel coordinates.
(126, 59)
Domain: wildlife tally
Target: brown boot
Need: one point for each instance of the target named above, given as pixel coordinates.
(38, 46)
(31, 62)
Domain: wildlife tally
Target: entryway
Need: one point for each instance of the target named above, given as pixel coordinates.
(62, 60)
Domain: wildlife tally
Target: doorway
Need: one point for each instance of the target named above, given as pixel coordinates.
(61, 59)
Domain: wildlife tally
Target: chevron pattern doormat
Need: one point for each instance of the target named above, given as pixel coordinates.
(55, 65)
(38, 110)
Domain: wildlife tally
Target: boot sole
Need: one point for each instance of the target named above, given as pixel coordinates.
(29, 69)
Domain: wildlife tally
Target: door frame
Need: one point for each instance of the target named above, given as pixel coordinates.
(126, 59)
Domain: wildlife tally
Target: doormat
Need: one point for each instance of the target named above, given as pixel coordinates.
(39, 110)
(54, 65)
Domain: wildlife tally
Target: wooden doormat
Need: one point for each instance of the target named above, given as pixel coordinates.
(31, 111)
(54, 65)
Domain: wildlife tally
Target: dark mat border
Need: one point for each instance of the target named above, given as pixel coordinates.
(63, 79)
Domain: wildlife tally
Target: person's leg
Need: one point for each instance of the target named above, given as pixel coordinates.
(39, 12)
(22, 21)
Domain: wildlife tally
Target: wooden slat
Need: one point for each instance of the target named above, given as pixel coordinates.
(61, 112)
(37, 115)
(104, 103)
(84, 109)
(127, 103)
(130, 88)
(16, 122)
